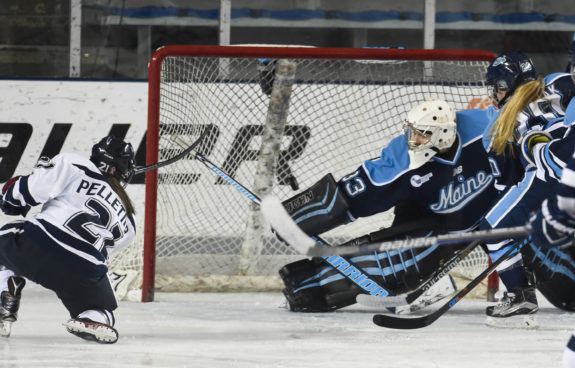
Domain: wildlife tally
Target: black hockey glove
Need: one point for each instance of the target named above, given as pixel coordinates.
(546, 233)
(13, 210)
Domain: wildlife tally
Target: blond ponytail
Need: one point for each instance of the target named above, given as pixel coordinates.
(503, 131)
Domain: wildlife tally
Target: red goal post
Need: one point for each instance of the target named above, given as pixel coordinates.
(345, 105)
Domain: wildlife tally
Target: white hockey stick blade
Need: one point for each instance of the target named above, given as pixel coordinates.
(278, 218)
(441, 289)
(374, 301)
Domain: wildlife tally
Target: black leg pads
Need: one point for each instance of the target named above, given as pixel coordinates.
(304, 295)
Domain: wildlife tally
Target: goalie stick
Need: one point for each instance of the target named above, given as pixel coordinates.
(397, 300)
(281, 221)
(410, 323)
(253, 197)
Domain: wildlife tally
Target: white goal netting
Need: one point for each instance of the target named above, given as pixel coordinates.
(342, 111)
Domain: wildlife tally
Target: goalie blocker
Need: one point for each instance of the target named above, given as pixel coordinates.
(320, 208)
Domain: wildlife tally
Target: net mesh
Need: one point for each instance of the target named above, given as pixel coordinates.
(341, 113)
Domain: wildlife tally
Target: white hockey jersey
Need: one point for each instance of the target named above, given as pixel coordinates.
(81, 213)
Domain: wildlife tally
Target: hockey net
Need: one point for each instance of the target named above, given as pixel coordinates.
(344, 106)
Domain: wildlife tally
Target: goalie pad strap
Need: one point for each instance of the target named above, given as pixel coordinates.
(320, 208)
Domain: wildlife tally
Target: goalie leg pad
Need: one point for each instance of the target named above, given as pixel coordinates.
(304, 292)
(320, 208)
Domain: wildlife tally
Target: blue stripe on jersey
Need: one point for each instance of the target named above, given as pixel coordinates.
(94, 175)
(23, 182)
(570, 113)
(549, 160)
(85, 267)
(72, 241)
(510, 199)
(571, 343)
(12, 225)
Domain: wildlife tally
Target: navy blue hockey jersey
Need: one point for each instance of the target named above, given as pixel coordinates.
(458, 188)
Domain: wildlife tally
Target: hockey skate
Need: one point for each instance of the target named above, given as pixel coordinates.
(10, 303)
(514, 310)
(92, 331)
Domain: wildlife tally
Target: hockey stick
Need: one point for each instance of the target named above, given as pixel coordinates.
(410, 323)
(254, 198)
(281, 221)
(393, 301)
(189, 150)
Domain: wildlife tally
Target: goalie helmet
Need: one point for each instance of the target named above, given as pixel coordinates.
(114, 157)
(429, 128)
(507, 72)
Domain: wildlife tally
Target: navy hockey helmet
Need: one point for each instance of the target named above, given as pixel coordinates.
(507, 72)
(115, 157)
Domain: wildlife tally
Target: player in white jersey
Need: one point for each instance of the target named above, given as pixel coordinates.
(86, 215)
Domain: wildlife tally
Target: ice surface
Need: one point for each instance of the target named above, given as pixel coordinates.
(241, 330)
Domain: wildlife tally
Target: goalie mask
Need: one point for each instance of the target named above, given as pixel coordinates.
(114, 157)
(429, 128)
(507, 72)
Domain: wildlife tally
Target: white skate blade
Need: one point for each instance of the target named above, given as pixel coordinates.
(524, 321)
(5, 328)
(92, 331)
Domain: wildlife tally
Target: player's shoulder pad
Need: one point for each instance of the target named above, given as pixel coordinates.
(67, 158)
(471, 124)
(569, 118)
(487, 139)
(61, 160)
(555, 77)
(393, 162)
